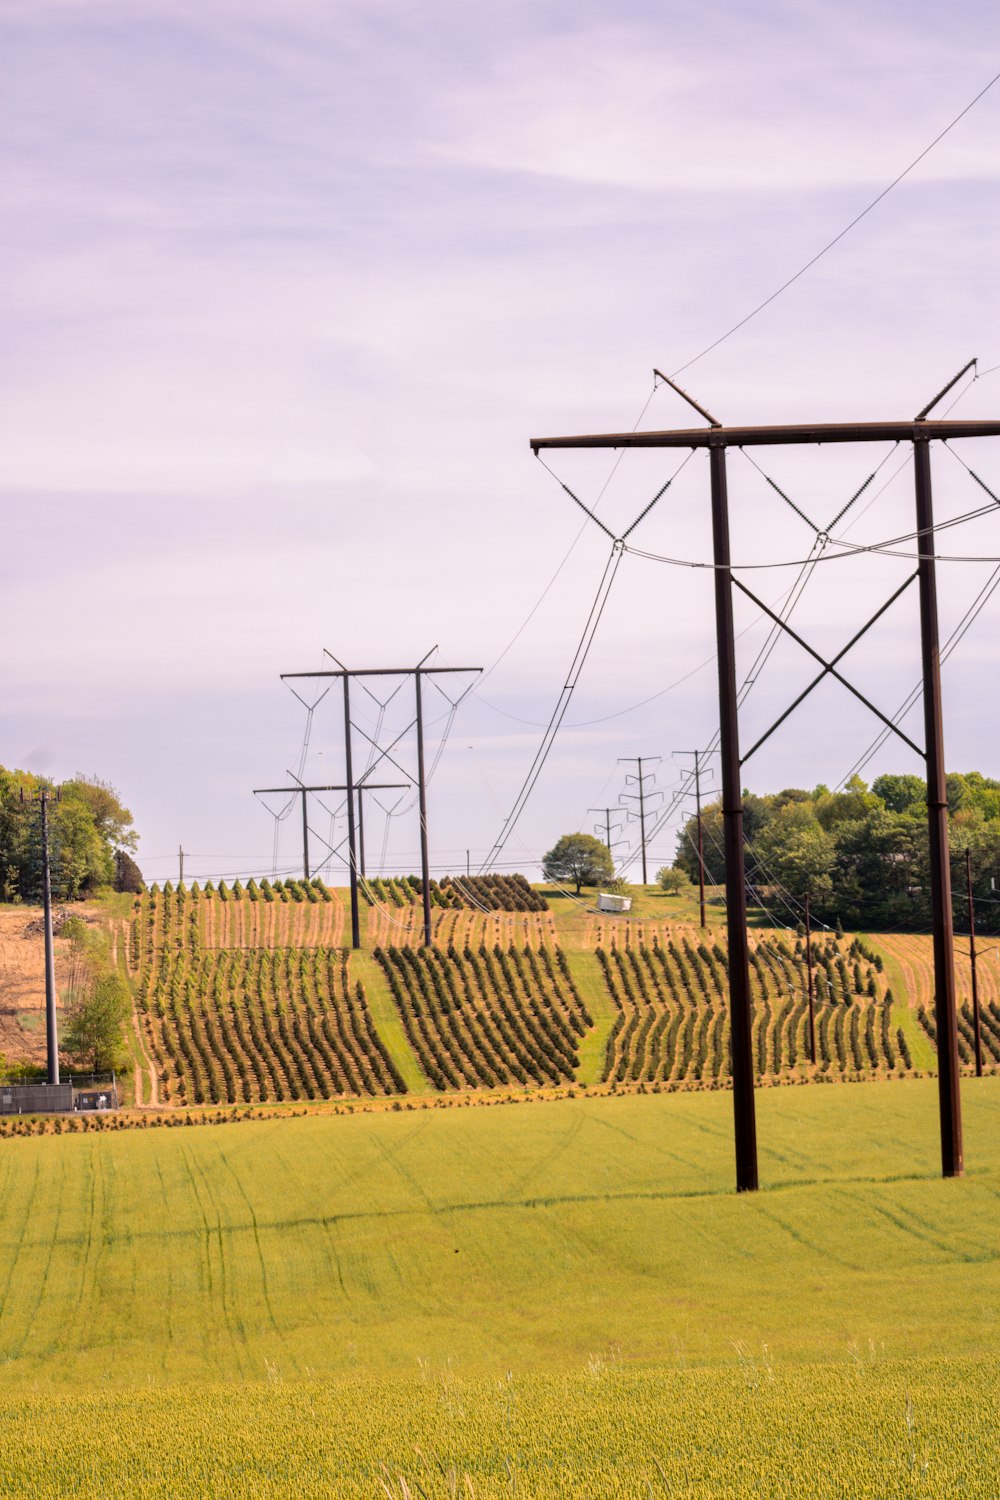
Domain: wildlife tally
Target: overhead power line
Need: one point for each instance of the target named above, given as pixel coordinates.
(565, 697)
(838, 237)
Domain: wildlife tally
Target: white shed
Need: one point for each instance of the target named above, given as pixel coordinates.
(607, 902)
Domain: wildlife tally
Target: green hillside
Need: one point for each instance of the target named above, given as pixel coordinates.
(570, 1263)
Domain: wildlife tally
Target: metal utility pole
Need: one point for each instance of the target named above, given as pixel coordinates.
(361, 789)
(809, 985)
(418, 673)
(341, 787)
(640, 780)
(352, 852)
(740, 1003)
(972, 961)
(43, 796)
(425, 862)
(180, 860)
(919, 432)
(607, 827)
(701, 845)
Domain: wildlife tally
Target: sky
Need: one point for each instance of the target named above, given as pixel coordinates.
(289, 286)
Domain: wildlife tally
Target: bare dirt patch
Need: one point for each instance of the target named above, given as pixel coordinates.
(22, 979)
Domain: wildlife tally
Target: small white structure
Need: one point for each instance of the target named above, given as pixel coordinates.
(607, 902)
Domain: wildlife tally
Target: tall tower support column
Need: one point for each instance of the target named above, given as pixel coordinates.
(740, 1019)
(945, 1008)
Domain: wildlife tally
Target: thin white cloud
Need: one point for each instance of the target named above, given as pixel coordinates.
(623, 106)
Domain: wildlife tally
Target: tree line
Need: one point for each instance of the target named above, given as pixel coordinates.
(861, 854)
(91, 835)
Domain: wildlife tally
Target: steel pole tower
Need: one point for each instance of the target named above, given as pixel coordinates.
(607, 811)
(418, 673)
(701, 842)
(640, 781)
(51, 1027)
(919, 432)
(425, 861)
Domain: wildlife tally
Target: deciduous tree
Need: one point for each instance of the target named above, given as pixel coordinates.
(579, 857)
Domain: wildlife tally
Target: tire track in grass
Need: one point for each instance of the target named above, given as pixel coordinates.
(169, 1301)
(333, 1256)
(265, 1286)
(822, 1251)
(922, 1231)
(558, 1149)
(41, 1282)
(391, 1159)
(93, 1239)
(214, 1236)
(661, 1150)
(17, 1249)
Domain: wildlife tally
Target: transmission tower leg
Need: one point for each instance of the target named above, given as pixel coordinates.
(701, 844)
(361, 830)
(945, 1007)
(425, 863)
(642, 824)
(732, 816)
(351, 844)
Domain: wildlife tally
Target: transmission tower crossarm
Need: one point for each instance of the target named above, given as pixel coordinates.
(751, 437)
(377, 672)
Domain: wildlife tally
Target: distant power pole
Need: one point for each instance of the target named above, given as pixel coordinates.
(972, 960)
(418, 673)
(809, 984)
(607, 826)
(701, 845)
(180, 859)
(43, 796)
(641, 796)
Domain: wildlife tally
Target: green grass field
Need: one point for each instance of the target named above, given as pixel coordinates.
(533, 1299)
